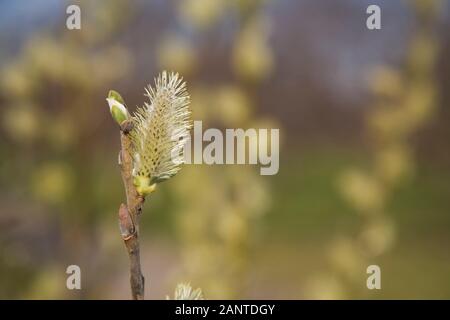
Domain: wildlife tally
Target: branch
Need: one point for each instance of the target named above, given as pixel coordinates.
(129, 213)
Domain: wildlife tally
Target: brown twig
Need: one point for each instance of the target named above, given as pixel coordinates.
(129, 213)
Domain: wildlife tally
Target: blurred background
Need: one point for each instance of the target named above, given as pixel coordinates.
(364, 151)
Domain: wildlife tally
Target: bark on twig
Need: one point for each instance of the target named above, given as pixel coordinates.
(129, 213)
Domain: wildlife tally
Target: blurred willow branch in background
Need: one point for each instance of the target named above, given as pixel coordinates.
(50, 120)
(406, 100)
(221, 204)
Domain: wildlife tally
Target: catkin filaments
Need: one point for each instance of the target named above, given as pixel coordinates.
(161, 128)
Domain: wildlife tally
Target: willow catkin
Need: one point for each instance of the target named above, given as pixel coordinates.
(161, 128)
(184, 291)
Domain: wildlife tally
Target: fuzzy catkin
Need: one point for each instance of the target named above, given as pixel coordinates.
(161, 128)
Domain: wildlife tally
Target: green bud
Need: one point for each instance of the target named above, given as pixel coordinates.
(117, 107)
(116, 96)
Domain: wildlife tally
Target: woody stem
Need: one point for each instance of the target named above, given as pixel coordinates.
(129, 213)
